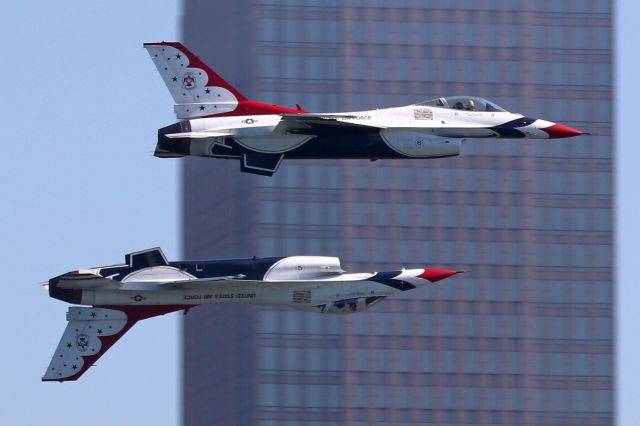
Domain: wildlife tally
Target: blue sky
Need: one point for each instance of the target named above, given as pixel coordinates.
(628, 206)
(81, 103)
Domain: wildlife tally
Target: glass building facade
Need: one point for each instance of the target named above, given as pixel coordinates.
(526, 335)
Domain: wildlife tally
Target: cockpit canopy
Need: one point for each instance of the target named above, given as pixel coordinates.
(467, 103)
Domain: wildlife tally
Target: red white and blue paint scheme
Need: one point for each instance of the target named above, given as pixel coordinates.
(218, 121)
(148, 285)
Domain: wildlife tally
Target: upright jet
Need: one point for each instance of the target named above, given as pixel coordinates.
(219, 121)
(148, 285)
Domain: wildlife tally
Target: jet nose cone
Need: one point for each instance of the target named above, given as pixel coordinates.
(561, 131)
(437, 274)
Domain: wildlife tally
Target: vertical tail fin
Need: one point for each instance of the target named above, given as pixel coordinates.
(91, 332)
(197, 90)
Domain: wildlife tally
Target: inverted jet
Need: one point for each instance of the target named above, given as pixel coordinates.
(218, 121)
(148, 285)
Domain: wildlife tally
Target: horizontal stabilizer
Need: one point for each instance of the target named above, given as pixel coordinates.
(260, 163)
(82, 281)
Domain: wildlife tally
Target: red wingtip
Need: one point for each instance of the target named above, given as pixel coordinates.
(561, 131)
(437, 274)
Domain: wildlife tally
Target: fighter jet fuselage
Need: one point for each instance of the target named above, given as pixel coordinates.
(220, 122)
(147, 285)
(148, 279)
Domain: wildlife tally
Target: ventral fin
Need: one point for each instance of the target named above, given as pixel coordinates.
(146, 258)
(260, 163)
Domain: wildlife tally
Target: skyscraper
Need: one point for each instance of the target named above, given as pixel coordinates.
(526, 335)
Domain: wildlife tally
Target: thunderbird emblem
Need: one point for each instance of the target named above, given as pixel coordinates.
(188, 81)
(82, 341)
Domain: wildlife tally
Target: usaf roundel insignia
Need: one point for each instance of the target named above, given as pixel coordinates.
(188, 80)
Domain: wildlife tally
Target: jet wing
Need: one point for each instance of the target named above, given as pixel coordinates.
(199, 135)
(203, 282)
(237, 280)
(347, 120)
(285, 124)
(225, 132)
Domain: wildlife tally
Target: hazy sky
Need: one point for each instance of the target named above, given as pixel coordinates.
(81, 103)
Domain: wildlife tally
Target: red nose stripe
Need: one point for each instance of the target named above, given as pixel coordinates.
(561, 131)
(434, 274)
